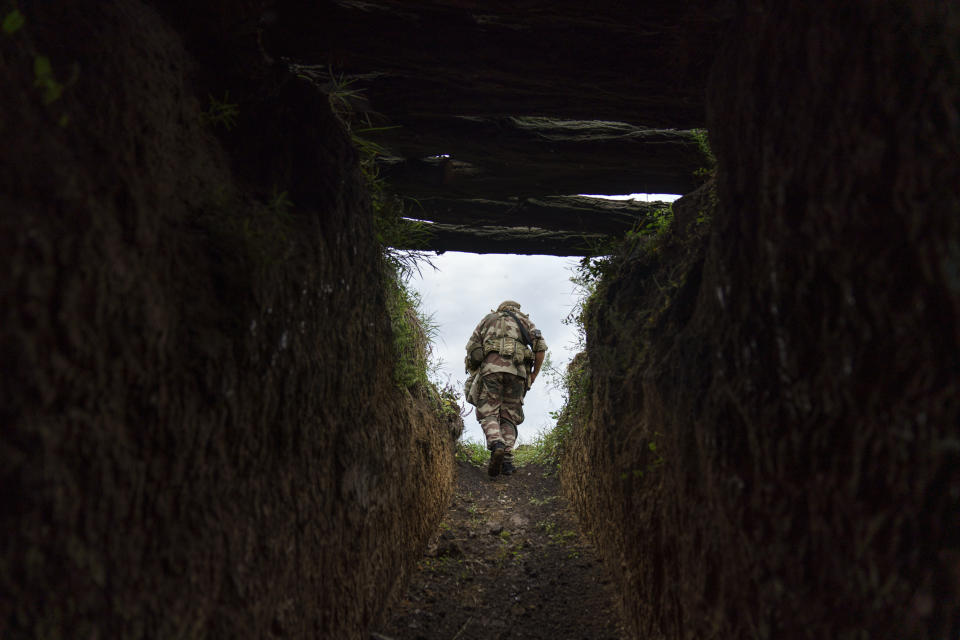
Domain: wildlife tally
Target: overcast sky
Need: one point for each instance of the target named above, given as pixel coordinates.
(467, 286)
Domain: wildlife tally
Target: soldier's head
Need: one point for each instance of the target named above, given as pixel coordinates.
(509, 305)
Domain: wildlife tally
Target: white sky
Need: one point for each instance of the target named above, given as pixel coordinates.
(467, 286)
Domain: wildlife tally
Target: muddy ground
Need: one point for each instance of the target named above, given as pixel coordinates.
(509, 560)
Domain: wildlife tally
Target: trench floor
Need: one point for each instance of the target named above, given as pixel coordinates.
(509, 560)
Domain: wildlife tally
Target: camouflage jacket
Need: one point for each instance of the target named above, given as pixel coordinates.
(497, 344)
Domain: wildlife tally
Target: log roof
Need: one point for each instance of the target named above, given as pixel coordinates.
(490, 113)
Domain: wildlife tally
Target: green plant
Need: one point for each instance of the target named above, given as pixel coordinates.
(652, 462)
(563, 538)
(342, 95)
(45, 80)
(713, 202)
(222, 112)
(472, 452)
(50, 87)
(279, 203)
(547, 527)
(413, 333)
(659, 221)
(703, 142)
(446, 401)
(13, 22)
(573, 383)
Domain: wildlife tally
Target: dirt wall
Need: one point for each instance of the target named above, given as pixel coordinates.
(201, 435)
(777, 457)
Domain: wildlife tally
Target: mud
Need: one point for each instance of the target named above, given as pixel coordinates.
(509, 560)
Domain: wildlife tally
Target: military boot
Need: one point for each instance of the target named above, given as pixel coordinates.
(507, 468)
(496, 458)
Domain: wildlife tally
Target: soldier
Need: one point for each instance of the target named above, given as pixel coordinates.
(504, 357)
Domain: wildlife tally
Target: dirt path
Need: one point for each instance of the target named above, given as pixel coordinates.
(509, 561)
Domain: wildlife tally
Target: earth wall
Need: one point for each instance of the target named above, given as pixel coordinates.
(201, 433)
(768, 446)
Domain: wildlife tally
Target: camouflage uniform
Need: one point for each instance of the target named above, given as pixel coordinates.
(499, 358)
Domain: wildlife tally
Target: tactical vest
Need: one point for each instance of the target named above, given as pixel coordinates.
(506, 345)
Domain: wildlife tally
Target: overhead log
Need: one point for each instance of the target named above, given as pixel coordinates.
(448, 177)
(526, 241)
(502, 157)
(483, 140)
(557, 59)
(558, 213)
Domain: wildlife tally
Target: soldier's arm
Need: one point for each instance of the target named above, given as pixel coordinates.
(538, 357)
(539, 352)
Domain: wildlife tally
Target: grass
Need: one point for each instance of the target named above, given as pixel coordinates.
(476, 453)
(472, 452)
(544, 450)
(413, 334)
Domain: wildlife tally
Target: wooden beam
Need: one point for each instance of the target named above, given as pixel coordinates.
(524, 157)
(481, 140)
(450, 178)
(556, 59)
(526, 241)
(558, 213)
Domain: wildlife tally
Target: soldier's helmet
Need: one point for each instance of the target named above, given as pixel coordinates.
(509, 304)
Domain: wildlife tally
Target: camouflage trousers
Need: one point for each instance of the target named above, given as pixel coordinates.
(500, 407)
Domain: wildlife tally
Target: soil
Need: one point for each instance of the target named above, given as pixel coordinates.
(509, 560)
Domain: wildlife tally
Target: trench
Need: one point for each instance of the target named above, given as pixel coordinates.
(509, 559)
(203, 431)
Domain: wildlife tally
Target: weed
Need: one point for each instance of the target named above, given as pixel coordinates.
(652, 462)
(413, 333)
(564, 537)
(657, 224)
(703, 142)
(549, 445)
(448, 402)
(547, 527)
(51, 87)
(635, 473)
(13, 22)
(508, 551)
(472, 452)
(279, 203)
(344, 98)
(703, 216)
(45, 80)
(222, 112)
